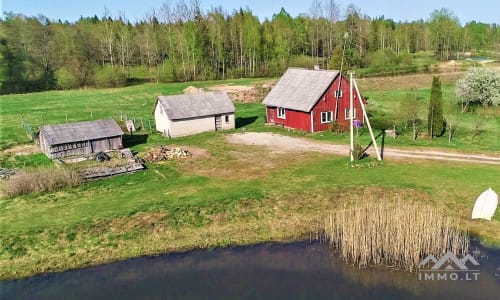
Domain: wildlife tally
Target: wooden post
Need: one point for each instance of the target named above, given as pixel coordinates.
(351, 115)
(142, 123)
(91, 115)
(66, 118)
(365, 115)
(149, 121)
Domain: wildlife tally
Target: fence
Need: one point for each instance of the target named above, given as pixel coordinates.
(28, 129)
(146, 124)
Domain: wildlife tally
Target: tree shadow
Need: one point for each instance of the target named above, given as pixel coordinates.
(136, 139)
(240, 122)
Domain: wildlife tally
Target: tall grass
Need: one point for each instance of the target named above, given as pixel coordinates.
(40, 180)
(397, 234)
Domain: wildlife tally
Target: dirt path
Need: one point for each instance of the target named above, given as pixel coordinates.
(281, 143)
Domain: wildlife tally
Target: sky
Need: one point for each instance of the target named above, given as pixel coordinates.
(486, 11)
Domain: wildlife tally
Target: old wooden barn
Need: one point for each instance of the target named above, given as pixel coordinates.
(310, 100)
(181, 115)
(80, 138)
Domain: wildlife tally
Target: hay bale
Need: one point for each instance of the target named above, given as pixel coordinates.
(191, 90)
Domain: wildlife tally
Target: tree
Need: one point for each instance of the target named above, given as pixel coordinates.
(479, 86)
(409, 111)
(435, 122)
(445, 28)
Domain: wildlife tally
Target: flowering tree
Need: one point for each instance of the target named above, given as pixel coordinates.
(479, 86)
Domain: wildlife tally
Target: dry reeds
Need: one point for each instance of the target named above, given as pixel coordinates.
(397, 234)
(40, 180)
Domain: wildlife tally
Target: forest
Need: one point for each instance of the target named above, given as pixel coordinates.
(182, 42)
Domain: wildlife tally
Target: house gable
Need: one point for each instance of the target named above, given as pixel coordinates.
(324, 109)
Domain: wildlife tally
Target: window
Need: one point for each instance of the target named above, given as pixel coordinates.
(226, 119)
(281, 113)
(338, 94)
(326, 117)
(347, 116)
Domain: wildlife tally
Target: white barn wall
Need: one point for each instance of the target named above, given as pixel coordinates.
(177, 128)
(229, 125)
(161, 121)
(192, 126)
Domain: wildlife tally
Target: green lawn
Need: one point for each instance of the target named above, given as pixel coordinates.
(229, 195)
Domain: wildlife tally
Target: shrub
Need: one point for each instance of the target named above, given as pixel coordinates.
(66, 80)
(40, 180)
(110, 77)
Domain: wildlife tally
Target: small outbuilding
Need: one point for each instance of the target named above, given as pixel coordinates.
(311, 100)
(181, 115)
(80, 138)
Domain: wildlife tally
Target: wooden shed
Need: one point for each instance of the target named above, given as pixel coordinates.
(181, 115)
(310, 100)
(80, 138)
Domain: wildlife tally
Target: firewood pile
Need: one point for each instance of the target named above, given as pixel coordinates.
(163, 153)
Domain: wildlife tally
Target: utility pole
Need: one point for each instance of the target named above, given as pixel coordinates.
(351, 113)
(365, 115)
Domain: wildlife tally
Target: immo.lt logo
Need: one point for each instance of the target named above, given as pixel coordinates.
(449, 267)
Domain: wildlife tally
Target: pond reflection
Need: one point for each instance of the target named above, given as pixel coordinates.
(269, 271)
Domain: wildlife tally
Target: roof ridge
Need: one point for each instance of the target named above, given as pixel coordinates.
(307, 69)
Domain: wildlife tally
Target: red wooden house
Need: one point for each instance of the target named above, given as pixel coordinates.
(307, 100)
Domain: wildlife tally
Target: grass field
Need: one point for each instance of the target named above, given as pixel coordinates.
(226, 195)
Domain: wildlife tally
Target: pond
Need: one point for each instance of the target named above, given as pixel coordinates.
(302, 270)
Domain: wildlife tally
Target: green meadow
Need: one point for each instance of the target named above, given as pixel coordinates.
(225, 194)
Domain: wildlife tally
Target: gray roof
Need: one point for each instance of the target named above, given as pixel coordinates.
(80, 131)
(196, 105)
(300, 89)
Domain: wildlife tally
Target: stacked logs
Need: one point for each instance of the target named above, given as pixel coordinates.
(163, 153)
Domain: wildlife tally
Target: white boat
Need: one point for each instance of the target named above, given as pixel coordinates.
(485, 205)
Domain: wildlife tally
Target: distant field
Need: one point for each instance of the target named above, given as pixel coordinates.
(78, 105)
(225, 195)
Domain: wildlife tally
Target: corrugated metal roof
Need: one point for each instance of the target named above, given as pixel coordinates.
(300, 89)
(80, 131)
(196, 105)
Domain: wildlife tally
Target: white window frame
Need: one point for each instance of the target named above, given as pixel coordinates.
(338, 92)
(346, 114)
(281, 113)
(329, 117)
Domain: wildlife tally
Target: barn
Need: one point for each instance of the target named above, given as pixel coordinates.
(80, 138)
(181, 115)
(307, 100)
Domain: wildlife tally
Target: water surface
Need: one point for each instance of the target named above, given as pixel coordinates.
(269, 271)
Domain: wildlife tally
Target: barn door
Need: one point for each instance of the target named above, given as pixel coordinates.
(218, 123)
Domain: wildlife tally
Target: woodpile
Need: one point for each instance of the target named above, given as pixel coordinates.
(163, 153)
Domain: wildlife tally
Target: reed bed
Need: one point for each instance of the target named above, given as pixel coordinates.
(40, 180)
(397, 234)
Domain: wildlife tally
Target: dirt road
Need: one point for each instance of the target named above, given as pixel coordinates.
(281, 143)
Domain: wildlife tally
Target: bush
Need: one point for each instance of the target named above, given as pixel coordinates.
(66, 80)
(40, 180)
(110, 77)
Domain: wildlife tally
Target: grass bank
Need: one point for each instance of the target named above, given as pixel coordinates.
(232, 195)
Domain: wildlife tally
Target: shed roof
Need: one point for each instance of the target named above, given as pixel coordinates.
(80, 131)
(300, 89)
(196, 105)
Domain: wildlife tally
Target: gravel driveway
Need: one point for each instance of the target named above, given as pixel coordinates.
(281, 143)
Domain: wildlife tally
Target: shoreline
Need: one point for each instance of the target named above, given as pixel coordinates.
(221, 243)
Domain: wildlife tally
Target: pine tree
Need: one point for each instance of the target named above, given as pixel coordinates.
(435, 121)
